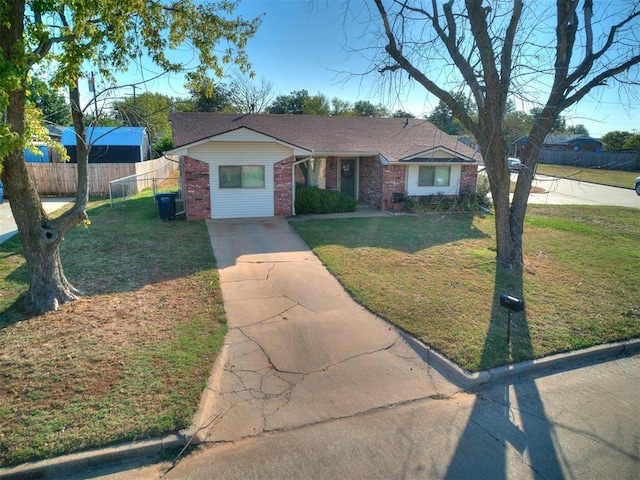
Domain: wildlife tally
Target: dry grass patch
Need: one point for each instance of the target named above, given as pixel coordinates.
(130, 359)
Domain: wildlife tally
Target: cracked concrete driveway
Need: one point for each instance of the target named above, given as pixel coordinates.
(299, 350)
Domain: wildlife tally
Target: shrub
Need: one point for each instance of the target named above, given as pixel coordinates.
(310, 200)
(483, 192)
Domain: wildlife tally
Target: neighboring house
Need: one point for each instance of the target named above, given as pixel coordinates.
(575, 143)
(47, 154)
(111, 144)
(250, 165)
(55, 131)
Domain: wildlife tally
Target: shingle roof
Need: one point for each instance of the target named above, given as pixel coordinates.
(394, 138)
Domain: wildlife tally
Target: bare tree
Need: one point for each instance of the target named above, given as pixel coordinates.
(555, 54)
(248, 96)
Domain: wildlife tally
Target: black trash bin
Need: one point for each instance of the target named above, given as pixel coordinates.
(166, 205)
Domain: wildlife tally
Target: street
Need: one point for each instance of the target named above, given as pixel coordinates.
(561, 191)
(580, 421)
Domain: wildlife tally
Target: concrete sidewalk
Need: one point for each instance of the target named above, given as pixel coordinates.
(299, 350)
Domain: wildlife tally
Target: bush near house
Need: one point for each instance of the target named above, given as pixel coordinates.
(467, 201)
(311, 200)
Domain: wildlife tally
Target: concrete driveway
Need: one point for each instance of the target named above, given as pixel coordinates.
(299, 350)
(8, 226)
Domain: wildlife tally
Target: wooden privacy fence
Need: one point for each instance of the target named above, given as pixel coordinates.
(627, 161)
(61, 179)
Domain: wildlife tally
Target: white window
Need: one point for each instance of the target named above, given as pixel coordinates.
(245, 176)
(434, 176)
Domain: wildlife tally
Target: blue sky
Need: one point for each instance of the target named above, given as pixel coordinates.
(301, 44)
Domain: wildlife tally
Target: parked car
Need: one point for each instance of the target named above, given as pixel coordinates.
(638, 185)
(513, 164)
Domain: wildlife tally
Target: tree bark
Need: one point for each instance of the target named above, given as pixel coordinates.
(40, 235)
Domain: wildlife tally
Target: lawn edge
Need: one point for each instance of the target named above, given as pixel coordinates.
(190, 436)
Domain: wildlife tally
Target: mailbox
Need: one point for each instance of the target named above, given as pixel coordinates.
(512, 303)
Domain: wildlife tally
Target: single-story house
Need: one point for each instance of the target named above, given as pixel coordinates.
(575, 143)
(250, 165)
(111, 144)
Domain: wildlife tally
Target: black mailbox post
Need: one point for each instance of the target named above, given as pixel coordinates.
(512, 304)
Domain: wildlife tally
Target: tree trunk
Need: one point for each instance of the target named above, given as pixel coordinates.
(40, 236)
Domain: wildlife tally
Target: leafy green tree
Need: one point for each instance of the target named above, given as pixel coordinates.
(443, 117)
(107, 35)
(615, 140)
(632, 143)
(341, 108)
(577, 129)
(299, 102)
(516, 125)
(150, 110)
(364, 108)
(402, 114)
(494, 51)
(317, 105)
(211, 97)
(54, 107)
(294, 103)
(559, 123)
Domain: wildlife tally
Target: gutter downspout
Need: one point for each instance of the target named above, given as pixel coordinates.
(293, 180)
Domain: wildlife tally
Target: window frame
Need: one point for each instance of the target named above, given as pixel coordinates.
(434, 176)
(243, 176)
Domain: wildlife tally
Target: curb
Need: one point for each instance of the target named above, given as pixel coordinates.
(192, 436)
(127, 451)
(469, 380)
(91, 458)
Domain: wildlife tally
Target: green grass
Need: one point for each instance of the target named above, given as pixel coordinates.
(435, 277)
(614, 178)
(130, 359)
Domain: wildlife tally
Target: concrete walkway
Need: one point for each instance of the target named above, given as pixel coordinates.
(299, 350)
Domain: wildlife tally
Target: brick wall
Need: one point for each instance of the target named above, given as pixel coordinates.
(468, 178)
(393, 180)
(370, 181)
(198, 194)
(332, 173)
(283, 187)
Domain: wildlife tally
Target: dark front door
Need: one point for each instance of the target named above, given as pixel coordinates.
(348, 177)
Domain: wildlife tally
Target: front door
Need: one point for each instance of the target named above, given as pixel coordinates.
(348, 177)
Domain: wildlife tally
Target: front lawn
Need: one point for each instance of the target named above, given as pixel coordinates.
(130, 359)
(615, 178)
(435, 277)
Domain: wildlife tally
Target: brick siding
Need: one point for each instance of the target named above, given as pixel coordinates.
(332, 173)
(370, 181)
(283, 187)
(468, 178)
(393, 181)
(198, 194)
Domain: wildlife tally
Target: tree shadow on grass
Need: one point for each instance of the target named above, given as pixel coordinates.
(514, 418)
